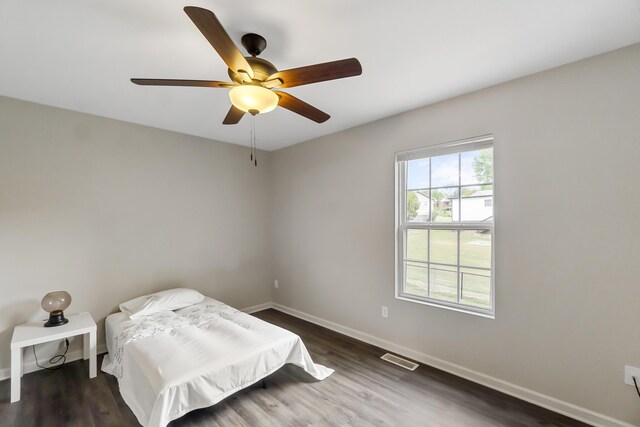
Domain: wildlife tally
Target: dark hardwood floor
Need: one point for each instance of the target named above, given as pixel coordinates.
(364, 391)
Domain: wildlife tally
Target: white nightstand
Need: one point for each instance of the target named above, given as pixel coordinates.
(33, 333)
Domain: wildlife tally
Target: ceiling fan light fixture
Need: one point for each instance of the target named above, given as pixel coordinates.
(252, 98)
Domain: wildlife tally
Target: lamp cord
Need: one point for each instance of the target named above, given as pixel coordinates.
(55, 359)
(636, 384)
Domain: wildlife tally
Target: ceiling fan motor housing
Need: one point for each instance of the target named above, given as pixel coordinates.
(262, 69)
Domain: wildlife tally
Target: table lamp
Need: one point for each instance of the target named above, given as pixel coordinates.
(55, 303)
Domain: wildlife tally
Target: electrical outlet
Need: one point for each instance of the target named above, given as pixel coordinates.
(385, 311)
(629, 373)
(275, 284)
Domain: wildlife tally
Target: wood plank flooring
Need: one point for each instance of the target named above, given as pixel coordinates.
(364, 391)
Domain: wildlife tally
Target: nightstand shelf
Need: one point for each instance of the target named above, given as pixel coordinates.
(33, 333)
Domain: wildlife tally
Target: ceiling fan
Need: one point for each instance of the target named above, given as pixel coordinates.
(254, 79)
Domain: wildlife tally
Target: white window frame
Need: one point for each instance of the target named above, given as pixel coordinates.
(402, 225)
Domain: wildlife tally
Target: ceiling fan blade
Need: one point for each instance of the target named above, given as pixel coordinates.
(177, 82)
(292, 103)
(233, 116)
(215, 33)
(318, 73)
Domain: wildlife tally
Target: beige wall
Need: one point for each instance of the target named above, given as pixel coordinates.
(109, 210)
(567, 167)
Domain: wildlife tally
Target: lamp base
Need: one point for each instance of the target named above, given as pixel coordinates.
(56, 318)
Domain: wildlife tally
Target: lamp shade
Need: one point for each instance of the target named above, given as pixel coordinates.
(55, 303)
(251, 98)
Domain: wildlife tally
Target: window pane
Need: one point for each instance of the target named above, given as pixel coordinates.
(476, 203)
(476, 167)
(418, 245)
(418, 204)
(444, 170)
(475, 248)
(444, 283)
(476, 287)
(417, 279)
(444, 246)
(417, 174)
(443, 200)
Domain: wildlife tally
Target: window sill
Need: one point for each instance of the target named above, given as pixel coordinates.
(484, 313)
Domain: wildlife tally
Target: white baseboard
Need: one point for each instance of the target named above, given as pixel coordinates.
(258, 307)
(30, 366)
(548, 402)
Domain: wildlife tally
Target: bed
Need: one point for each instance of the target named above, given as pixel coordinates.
(171, 362)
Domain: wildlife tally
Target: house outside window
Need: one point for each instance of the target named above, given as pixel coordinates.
(445, 226)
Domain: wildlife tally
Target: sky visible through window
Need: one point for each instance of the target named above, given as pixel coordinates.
(418, 174)
(444, 171)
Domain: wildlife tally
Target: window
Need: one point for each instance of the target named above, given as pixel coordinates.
(445, 226)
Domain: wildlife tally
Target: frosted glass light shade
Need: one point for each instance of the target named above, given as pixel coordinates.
(54, 303)
(250, 98)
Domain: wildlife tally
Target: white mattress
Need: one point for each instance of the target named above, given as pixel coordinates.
(169, 364)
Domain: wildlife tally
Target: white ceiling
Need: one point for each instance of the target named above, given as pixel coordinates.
(80, 54)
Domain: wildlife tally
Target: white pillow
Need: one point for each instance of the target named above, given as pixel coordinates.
(172, 299)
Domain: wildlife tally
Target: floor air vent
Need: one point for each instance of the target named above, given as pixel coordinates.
(391, 358)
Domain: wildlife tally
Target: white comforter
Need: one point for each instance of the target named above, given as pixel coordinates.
(170, 363)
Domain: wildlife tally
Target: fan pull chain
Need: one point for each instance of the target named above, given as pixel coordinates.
(254, 151)
(252, 136)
